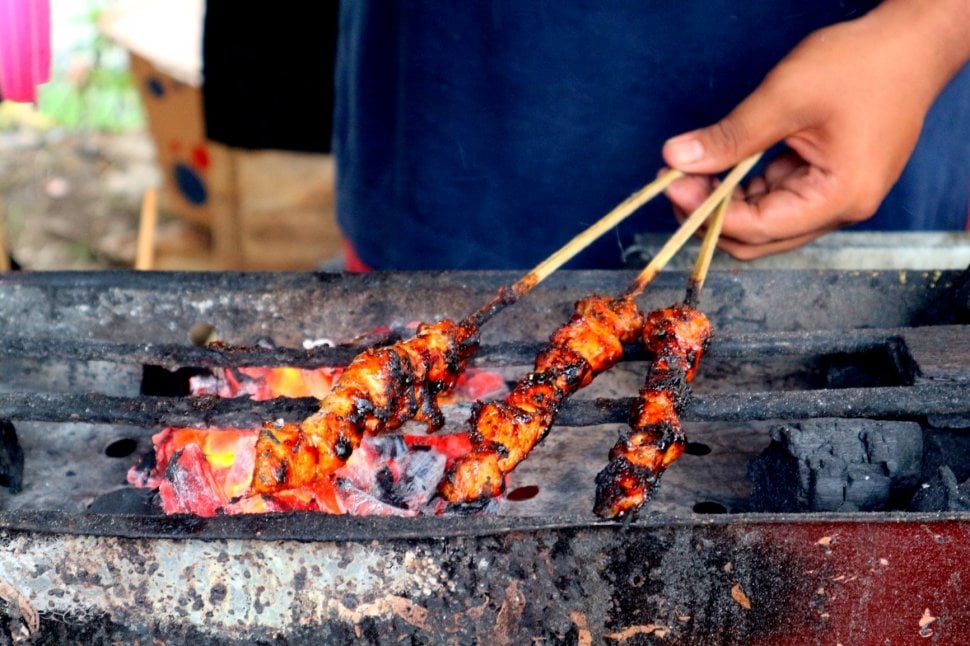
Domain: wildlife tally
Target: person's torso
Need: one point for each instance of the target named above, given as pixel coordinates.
(486, 134)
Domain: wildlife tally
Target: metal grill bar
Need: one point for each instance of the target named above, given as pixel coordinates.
(900, 402)
(170, 355)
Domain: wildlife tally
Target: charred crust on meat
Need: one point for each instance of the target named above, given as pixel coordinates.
(620, 483)
(671, 377)
(267, 433)
(475, 436)
(397, 371)
(663, 434)
(692, 358)
(380, 390)
(575, 372)
(408, 402)
(431, 415)
(281, 472)
(522, 416)
(499, 449)
(363, 407)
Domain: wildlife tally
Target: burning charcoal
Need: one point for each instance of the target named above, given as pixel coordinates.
(361, 503)
(189, 486)
(142, 474)
(11, 458)
(388, 470)
(420, 479)
(262, 383)
(837, 465)
(942, 493)
(476, 384)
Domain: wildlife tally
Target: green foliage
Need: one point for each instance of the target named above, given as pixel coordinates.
(96, 91)
(106, 101)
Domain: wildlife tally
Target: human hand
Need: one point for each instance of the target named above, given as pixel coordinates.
(849, 103)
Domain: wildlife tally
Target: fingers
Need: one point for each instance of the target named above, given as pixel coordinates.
(781, 168)
(791, 204)
(689, 192)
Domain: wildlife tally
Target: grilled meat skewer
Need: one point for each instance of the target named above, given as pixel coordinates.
(379, 391)
(676, 338)
(504, 432)
(383, 388)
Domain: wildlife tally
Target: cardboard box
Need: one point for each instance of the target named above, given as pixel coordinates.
(265, 210)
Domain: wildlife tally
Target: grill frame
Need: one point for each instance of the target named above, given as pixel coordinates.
(558, 578)
(763, 578)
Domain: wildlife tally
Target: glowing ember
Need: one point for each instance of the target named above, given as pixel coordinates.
(261, 384)
(207, 472)
(476, 385)
(228, 454)
(190, 485)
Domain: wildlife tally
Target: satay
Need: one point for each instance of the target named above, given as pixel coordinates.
(675, 338)
(380, 390)
(383, 388)
(504, 432)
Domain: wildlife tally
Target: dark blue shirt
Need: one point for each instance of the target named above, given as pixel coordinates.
(473, 134)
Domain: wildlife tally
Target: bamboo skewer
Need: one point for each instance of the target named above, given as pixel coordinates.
(689, 226)
(706, 254)
(499, 438)
(611, 219)
(510, 294)
(4, 258)
(147, 224)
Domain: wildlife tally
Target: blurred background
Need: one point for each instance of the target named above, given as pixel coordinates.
(123, 114)
(239, 163)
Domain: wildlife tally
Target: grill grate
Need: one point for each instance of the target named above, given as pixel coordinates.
(788, 346)
(887, 348)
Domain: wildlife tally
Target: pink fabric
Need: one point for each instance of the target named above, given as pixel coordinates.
(25, 48)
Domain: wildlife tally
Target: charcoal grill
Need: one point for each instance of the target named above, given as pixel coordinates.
(735, 548)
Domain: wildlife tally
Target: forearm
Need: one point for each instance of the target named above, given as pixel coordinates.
(932, 37)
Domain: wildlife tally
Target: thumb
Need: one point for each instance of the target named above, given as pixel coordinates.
(756, 124)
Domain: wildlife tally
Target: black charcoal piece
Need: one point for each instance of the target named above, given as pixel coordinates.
(128, 500)
(11, 458)
(942, 493)
(946, 447)
(838, 465)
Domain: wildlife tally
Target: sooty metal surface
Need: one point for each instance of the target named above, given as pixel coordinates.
(888, 347)
(750, 580)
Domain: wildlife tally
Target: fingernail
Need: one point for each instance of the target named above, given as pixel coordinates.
(684, 195)
(685, 150)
